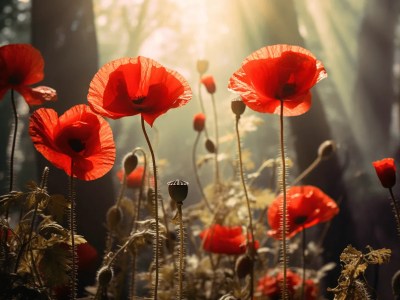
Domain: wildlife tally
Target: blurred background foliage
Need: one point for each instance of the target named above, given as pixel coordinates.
(357, 106)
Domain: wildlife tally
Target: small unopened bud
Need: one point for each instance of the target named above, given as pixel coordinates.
(178, 190)
(130, 162)
(104, 276)
(199, 122)
(202, 66)
(243, 266)
(209, 83)
(326, 149)
(210, 146)
(238, 106)
(114, 217)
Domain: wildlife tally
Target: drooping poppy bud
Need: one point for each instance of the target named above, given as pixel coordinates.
(238, 106)
(210, 146)
(243, 266)
(199, 122)
(130, 163)
(202, 66)
(114, 217)
(386, 171)
(326, 149)
(104, 276)
(209, 83)
(178, 190)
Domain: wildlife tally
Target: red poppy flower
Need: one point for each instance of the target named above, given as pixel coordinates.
(21, 66)
(78, 135)
(199, 122)
(278, 73)
(224, 240)
(386, 171)
(270, 285)
(306, 206)
(131, 86)
(134, 179)
(209, 83)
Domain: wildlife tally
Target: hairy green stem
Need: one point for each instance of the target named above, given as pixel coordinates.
(303, 261)
(217, 181)
(307, 171)
(396, 210)
(72, 230)
(196, 173)
(181, 252)
(157, 241)
(284, 208)
(14, 140)
(252, 243)
(202, 106)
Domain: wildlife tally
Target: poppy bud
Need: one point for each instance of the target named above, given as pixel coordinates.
(199, 122)
(178, 190)
(238, 106)
(130, 162)
(104, 276)
(114, 217)
(210, 146)
(209, 83)
(386, 171)
(326, 149)
(243, 266)
(202, 66)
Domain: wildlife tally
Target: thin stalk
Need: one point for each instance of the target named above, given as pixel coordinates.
(216, 140)
(202, 106)
(196, 173)
(157, 241)
(14, 140)
(284, 207)
(72, 230)
(396, 210)
(303, 261)
(252, 249)
(181, 252)
(307, 171)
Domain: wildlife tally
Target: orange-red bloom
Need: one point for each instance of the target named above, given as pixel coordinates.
(224, 240)
(306, 206)
(131, 86)
(209, 83)
(22, 65)
(134, 179)
(199, 122)
(278, 73)
(78, 135)
(270, 285)
(386, 171)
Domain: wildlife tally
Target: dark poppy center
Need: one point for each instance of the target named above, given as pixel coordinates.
(139, 100)
(76, 145)
(15, 79)
(288, 89)
(300, 220)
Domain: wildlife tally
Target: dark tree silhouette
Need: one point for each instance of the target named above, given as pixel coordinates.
(65, 34)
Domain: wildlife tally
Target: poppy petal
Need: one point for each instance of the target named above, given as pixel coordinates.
(38, 95)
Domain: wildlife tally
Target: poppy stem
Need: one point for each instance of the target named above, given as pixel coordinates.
(307, 171)
(284, 207)
(202, 106)
(132, 287)
(14, 140)
(303, 261)
(181, 252)
(217, 182)
(157, 241)
(396, 210)
(196, 173)
(72, 230)
(251, 245)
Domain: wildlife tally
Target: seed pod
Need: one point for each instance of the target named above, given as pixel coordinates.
(238, 106)
(130, 162)
(326, 149)
(104, 276)
(210, 146)
(114, 217)
(178, 190)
